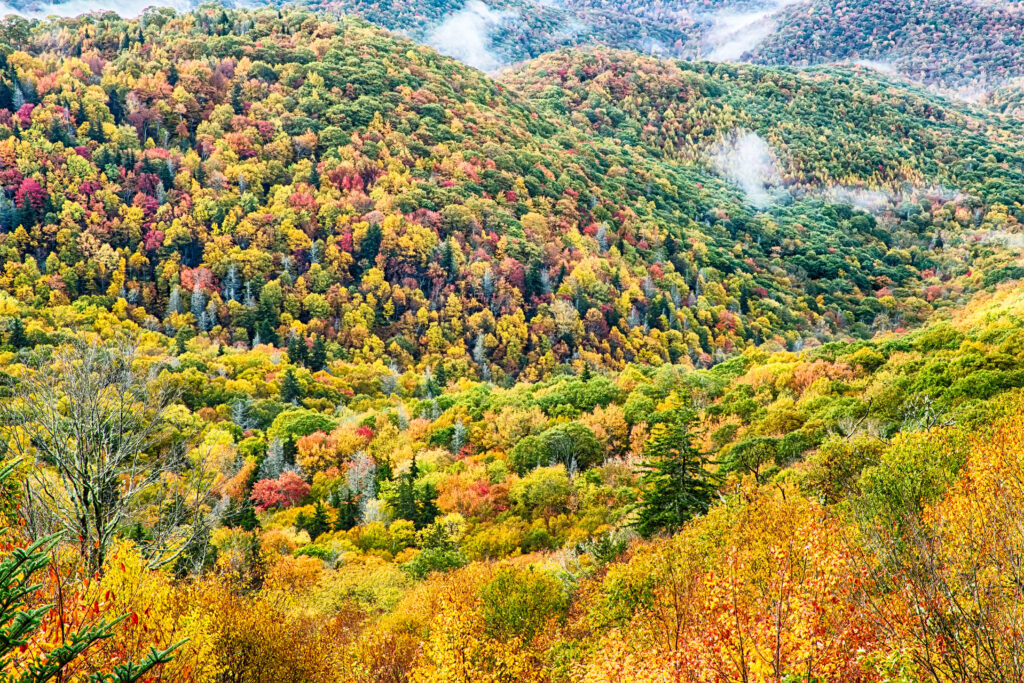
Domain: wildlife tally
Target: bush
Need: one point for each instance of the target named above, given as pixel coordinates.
(518, 603)
(434, 560)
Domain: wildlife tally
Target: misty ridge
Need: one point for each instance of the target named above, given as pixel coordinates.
(493, 34)
(467, 34)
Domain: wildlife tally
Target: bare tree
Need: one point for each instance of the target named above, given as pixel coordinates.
(108, 460)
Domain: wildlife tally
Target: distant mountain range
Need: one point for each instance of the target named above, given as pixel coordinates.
(967, 49)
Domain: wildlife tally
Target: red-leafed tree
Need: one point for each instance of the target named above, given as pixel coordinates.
(283, 492)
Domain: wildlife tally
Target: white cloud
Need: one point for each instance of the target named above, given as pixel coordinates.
(731, 33)
(466, 35)
(745, 159)
(126, 8)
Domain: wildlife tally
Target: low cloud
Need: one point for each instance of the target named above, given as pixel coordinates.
(872, 201)
(878, 65)
(125, 8)
(746, 160)
(466, 35)
(732, 33)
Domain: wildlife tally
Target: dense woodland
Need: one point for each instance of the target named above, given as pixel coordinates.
(958, 45)
(968, 48)
(325, 357)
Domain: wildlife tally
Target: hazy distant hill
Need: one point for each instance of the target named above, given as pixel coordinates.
(967, 48)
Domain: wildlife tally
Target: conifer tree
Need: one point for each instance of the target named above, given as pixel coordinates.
(318, 355)
(20, 621)
(348, 510)
(297, 350)
(291, 391)
(675, 483)
(318, 524)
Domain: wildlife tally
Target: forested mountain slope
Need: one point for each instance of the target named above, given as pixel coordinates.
(331, 358)
(972, 46)
(257, 178)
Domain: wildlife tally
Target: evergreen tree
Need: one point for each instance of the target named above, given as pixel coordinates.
(447, 260)
(16, 336)
(534, 284)
(419, 507)
(291, 391)
(428, 506)
(348, 510)
(21, 616)
(369, 246)
(265, 333)
(406, 506)
(297, 350)
(675, 484)
(245, 516)
(318, 524)
(318, 355)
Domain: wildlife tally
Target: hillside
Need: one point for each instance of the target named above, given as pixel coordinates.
(964, 48)
(972, 47)
(409, 210)
(326, 357)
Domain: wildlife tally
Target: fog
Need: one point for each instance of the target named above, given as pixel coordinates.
(746, 160)
(732, 33)
(126, 8)
(466, 35)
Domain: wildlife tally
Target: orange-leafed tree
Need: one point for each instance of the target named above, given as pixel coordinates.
(41, 641)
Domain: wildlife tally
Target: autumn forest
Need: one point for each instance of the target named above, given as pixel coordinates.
(327, 357)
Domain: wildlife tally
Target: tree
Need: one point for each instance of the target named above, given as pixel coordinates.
(416, 506)
(369, 246)
(16, 333)
(291, 390)
(108, 455)
(675, 484)
(318, 523)
(348, 510)
(20, 621)
(297, 350)
(285, 491)
(318, 355)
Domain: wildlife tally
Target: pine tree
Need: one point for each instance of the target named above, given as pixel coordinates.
(17, 337)
(318, 523)
(447, 260)
(675, 484)
(586, 375)
(420, 507)
(297, 350)
(369, 246)
(318, 355)
(348, 511)
(20, 618)
(291, 391)
(406, 506)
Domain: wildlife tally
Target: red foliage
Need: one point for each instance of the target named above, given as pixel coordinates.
(153, 240)
(283, 492)
(30, 191)
(25, 114)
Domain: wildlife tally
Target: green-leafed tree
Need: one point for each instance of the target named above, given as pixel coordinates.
(675, 483)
